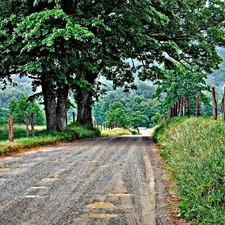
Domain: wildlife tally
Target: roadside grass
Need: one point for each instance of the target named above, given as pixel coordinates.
(115, 132)
(194, 148)
(19, 131)
(43, 137)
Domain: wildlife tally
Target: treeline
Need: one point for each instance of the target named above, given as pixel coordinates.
(133, 108)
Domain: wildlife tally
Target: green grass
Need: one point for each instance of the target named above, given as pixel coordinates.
(195, 151)
(19, 131)
(42, 137)
(115, 132)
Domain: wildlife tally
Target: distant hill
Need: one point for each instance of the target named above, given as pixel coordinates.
(217, 78)
(23, 87)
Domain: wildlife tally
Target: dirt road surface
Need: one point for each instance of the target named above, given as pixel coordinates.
(105, 180)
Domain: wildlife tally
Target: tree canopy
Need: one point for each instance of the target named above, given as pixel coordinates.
(61, 44)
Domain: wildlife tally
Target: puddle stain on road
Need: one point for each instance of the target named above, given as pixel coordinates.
(100, 205)
(47, 179)
(98, 216)
(10, 166)
(120, 194)
(40, 187)
(32, 196)
(5, 169)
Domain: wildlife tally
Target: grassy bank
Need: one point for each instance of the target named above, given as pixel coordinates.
(195, 151)
(42, 137)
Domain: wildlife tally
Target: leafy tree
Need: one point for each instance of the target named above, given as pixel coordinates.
(180, 83)
(21, 106)
(3, 113)
(42, 38)
(138, 119)
(117, 114)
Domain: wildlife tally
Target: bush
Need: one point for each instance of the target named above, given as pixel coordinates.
(2, 121)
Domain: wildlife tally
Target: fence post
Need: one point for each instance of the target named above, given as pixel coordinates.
(32, 124)
(223, 105)
(183, 106)
(73, 117)
(214, 103)
(26, 122)
(197, 104)
(189, 106)
(178, 107)
(11, 137)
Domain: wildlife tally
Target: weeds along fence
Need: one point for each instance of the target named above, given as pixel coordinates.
(107, 125)
(183, 106)
(10, 121)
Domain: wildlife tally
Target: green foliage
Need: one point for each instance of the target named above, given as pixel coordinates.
(180, 83)
(194, 149)
(2, 121)
(139, 107)
(156, 119)
(18, 130)
(116, 113)
(115, 132)
(59, 41)
(21, 106)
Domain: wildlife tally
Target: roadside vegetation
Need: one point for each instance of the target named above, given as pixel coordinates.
(194, 148)
(42, 137)
(115, 132)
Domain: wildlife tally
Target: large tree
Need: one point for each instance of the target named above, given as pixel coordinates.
(63, 43)
(42, 40)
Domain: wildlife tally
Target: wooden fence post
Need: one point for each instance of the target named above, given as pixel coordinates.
(214, 103)
(174, 110)
(223, 105)
(11, 137)
(27, 126)
(73, 117)
(183, 106)
(178, 107)
(32, 124)
(197, 104)
(189, 106)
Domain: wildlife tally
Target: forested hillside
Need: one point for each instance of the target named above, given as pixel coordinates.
(139, 107)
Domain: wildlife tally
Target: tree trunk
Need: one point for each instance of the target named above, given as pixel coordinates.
(84, 101)
(61, 108)
(189, 106)
(197, 104)
(50, 105)
(84, 107)
(214, 103)
(223, 105)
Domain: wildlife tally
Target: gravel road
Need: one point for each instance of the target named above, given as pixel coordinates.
(105, 180)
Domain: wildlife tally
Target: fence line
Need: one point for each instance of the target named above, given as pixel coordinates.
(10, 122)
(180, 106)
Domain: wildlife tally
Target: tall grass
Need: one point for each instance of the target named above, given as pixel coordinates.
(195, 151)
(115, 132)
(19, 131)
(43, 137)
